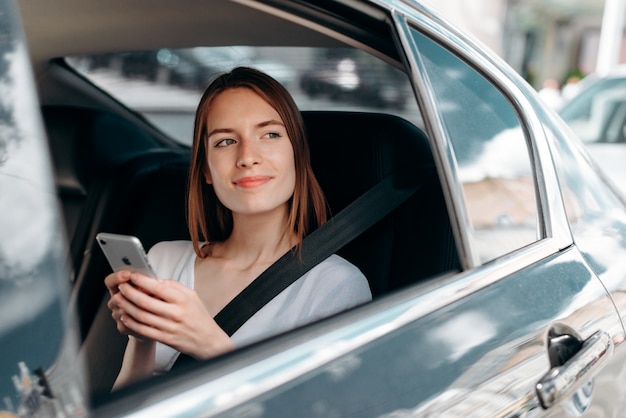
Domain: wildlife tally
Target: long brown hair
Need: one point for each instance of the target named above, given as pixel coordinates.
(208, 219)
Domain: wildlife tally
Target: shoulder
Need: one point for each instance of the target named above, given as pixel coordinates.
(171, 259)
(170, 249)
(336, 277)
(336, 265)
(337, 268)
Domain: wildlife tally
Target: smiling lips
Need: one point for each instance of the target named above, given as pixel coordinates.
(252, 181)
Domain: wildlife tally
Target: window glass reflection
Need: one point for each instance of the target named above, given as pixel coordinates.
(491, 153)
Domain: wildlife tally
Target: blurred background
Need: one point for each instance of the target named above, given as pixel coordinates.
(571, 52)
(545, 39)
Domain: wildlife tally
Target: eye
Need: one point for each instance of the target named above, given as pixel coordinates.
(224, 142)
(272, 135)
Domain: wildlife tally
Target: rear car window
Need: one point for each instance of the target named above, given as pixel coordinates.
(165, 85)
(490, 152)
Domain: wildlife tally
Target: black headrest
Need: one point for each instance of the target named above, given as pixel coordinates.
(84, 141)
(352, 151)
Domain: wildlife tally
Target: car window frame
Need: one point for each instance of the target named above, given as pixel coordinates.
(553, 229)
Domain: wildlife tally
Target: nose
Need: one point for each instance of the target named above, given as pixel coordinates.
(249, 154)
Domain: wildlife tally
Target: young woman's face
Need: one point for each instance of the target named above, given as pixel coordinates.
(250, 157)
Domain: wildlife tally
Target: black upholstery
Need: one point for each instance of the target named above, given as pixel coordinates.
(85, 144)
(351, 152)
(145, 197)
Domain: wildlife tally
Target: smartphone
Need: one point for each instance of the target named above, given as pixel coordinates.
(125, 252)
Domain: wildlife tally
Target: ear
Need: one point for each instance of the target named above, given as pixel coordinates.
(207, 176)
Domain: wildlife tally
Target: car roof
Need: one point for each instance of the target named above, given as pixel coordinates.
(617, 71)
(76, 27)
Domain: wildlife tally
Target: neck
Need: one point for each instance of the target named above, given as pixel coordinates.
(259, 238)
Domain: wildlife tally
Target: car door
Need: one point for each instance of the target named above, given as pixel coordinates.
(39, 374)
(494, 143)
(525, 329)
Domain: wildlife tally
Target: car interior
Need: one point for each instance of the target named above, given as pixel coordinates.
(116, 172)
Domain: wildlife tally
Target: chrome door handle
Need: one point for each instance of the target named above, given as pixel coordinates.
(563, 381)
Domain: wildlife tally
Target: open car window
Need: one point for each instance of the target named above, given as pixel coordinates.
(363, 125)
(165, 85)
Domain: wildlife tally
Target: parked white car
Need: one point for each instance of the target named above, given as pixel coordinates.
(597, 115)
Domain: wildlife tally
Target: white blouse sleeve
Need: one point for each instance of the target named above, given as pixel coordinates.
(339, 286)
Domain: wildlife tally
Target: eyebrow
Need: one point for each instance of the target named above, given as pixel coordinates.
(258, 125)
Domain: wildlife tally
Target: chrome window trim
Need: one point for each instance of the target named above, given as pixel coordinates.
(443, 154)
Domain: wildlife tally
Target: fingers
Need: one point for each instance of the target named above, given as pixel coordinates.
(134, 320)
(117, 313)
(131, 298)
(135, 303)
(148, 309)
(140, 330)
(130, 318)
(113, 280)
(166, 290)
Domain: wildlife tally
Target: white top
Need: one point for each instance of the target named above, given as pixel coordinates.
(330, 287)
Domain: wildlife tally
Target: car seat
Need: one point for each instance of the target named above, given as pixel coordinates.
(86, 145)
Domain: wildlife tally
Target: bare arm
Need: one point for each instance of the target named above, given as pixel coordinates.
(139, 355)
(138, 361)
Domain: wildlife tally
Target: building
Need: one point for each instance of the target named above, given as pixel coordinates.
(544, 39)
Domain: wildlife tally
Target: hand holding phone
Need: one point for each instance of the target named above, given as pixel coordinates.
(125, 252)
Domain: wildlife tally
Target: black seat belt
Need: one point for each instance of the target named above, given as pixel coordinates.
(342, 228)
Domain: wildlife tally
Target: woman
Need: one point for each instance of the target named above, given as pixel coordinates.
(252, 197)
